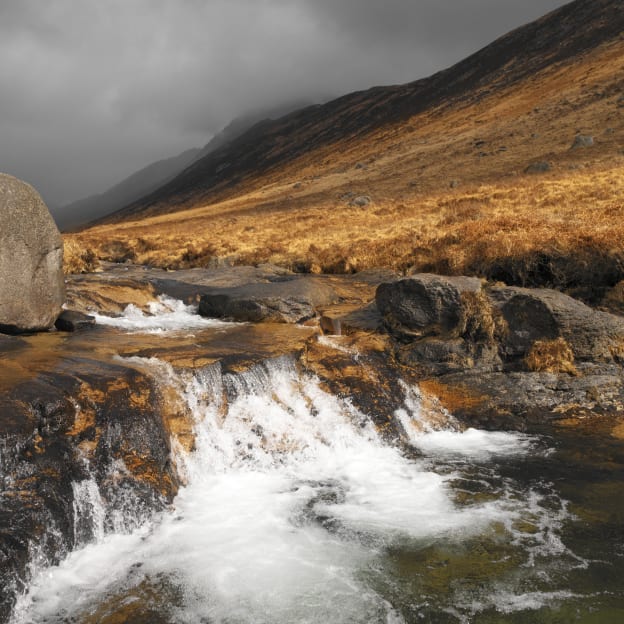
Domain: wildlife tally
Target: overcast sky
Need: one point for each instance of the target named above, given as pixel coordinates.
(93, 90)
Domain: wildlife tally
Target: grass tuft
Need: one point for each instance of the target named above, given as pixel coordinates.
(78, 259)
(551, 356)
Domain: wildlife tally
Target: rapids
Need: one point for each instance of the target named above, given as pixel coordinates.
(295, 509)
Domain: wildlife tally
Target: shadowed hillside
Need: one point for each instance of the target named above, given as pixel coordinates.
(564, 35)
(152, 177)
(128, 190)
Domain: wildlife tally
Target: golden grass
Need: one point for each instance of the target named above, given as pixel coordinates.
(78, 258)
(566, 229)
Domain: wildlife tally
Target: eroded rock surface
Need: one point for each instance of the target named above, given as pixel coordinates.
(534, 314)
(81, 421)
(32, 287)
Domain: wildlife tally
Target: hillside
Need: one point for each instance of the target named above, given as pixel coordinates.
(442, 161)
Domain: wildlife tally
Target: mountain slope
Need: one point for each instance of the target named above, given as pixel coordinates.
(434, 175)
(557, 38)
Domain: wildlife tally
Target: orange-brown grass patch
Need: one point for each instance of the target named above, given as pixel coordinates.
(452, 398)
(77, 258)
(551, 356)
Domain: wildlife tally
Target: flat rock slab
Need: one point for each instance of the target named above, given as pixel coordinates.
(347, 318)
(516, 400)
(291, 300)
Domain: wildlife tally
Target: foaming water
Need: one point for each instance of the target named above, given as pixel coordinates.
(292, 507)
(164, 315)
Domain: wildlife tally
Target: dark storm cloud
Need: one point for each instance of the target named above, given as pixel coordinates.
(95, 89)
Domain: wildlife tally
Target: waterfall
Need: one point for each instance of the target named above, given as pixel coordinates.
(292, 505)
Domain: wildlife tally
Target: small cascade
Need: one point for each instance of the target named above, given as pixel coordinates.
(89, 513)
(163, 315)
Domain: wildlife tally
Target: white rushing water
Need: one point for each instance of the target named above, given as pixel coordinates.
(291, 498)
(163, 315)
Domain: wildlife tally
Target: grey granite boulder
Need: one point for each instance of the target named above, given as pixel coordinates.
(32, 287)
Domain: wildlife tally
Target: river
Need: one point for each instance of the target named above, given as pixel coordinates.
(295, 509)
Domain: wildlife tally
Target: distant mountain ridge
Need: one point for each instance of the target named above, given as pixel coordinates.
(128, 190)
(155, 175)
(561, 36)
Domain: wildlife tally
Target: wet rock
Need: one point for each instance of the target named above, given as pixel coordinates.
(32, 287)
(9, 342)
(330, 325)
(360, 368)
(582, 140)
(70, 320)
(59, 429)
(293, 300)
(533, 314)
(538, 167)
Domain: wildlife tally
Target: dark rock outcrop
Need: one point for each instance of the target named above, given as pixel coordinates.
(519, 400)
(32, 287)
(442, 324)
(425, 304)
(502, 357)
(71, 320)
(60, 429)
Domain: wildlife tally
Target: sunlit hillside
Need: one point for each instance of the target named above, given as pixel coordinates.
(489, 184)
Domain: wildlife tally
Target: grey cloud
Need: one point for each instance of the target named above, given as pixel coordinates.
(95, 89)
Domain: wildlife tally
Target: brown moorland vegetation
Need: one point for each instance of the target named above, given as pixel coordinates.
(448, 186)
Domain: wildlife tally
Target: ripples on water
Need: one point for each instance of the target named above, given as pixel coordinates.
(296, 511)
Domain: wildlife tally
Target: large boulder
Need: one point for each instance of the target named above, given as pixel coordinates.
(443, 324)
(32, 287)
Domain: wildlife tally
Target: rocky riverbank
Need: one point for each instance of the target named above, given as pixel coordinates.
(83, 406)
